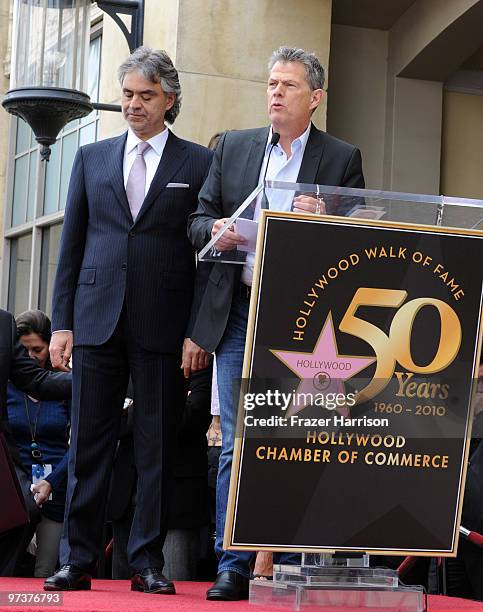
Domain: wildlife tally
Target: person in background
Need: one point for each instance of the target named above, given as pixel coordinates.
(464, 573)
(214, 437)
(214, 140)
(122, 491)
(26, 375)
(213, 434)
(214, 430)
(189, 507)
(41, 432)
(460, 576)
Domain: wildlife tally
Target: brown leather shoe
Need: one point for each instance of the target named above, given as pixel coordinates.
(151, 580)
(68, 578)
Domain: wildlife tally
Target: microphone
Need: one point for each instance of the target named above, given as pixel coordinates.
(273, 142)
(275, 138)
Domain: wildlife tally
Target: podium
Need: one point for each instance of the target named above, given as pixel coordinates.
(355, 404)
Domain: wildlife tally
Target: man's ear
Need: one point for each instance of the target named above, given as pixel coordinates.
(317, 96)
(170, 100)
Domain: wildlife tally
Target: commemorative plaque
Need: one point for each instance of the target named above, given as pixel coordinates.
(355, 404)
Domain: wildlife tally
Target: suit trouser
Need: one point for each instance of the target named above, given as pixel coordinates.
(100, 379)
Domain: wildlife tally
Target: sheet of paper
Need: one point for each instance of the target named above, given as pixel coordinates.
(248, 229)
(367, 212)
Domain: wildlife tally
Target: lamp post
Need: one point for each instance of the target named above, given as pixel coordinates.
(49, 66)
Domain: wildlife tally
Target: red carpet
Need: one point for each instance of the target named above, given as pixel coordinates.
(110, 595)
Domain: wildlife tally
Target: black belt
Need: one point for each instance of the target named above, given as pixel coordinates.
(244, 291)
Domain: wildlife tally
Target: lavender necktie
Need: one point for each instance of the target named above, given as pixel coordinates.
(136, 182)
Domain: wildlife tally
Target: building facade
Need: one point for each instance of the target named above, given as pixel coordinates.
(405, 84)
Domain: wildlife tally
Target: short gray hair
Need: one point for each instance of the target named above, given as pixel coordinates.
(157, 67)
(313, 68)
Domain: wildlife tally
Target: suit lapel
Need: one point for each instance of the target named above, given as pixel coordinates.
(253, 159)
(114, 160)
(173, 157)
(314, 150)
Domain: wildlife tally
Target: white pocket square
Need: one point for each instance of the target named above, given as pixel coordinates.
(178, 185)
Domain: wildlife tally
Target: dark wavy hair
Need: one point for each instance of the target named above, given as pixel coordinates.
(34, 322)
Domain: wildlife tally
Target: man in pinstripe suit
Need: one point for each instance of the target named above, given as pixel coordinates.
(125, 296)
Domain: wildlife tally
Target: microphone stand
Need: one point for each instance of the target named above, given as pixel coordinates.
(273, 142)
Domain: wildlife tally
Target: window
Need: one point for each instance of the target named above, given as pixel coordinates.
(37, 196)
(19, 274)
(25, 175)
(48, 265)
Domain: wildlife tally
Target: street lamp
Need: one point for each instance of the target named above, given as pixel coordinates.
(50, 58)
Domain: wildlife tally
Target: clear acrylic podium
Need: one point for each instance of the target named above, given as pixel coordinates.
(326, 581)
(361, 204)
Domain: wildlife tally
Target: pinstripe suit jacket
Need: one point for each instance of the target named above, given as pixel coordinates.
(106, 260)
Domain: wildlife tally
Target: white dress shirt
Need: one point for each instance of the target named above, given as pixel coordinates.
(152, 156)
(280, 168)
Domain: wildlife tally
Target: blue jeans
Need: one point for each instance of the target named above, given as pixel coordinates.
(229, 361)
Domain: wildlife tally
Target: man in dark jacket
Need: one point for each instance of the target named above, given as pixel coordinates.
(303, 154)
(124, 296)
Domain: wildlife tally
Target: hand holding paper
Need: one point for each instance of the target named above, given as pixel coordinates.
(229, 240)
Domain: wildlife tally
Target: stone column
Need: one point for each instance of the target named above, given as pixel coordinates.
(220, 48)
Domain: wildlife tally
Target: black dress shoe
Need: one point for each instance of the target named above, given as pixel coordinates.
(68, 578)
(229, 586)
(151, 580)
